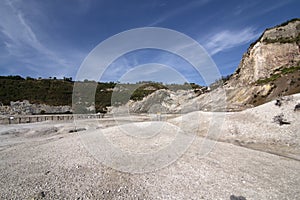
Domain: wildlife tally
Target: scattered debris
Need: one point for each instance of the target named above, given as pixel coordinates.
(280, 120)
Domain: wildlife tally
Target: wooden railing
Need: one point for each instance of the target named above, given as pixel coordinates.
(19, 119)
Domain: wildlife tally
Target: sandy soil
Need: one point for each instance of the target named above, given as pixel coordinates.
(50, 161)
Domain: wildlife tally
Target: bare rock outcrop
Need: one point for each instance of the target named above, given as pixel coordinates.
(26, 108)
(162, 101)
(269, 69)
(277, 47)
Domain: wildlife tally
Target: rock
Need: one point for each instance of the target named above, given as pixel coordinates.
(47, 172)
(26, 108)
(268, 53)
(77, 130)
(233, 197)
(297, 107)
(265, 72)
(159, 102)
(265, 64)
(40, 195)
(278, 102)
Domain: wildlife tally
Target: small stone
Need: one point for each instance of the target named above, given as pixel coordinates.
(47, 172)
(41, 194)
(233, 197)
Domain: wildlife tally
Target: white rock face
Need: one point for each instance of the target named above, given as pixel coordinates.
(277, 47)
(263, 59)
(26, 108)
(160, 101)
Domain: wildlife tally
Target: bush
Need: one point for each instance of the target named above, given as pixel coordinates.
(278, 119)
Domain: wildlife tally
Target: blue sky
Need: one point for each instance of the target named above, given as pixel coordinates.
(53, 37)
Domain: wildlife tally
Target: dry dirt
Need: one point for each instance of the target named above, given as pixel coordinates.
(251, 157)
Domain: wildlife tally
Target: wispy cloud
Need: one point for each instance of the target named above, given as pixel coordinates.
(228, 39)
(21, 41)
(253, 9)
(178, 11)
(119, 67)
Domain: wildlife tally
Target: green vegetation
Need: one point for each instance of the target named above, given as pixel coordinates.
(58, 92)
(47, 91)
(272, 78)
(278, 73)
(280, 40)
(283, 40)
(287, 22)
(52, 92)
(290, 69)
(145, 89)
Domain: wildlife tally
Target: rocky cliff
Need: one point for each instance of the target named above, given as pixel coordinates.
(278, 47)
(268, 70)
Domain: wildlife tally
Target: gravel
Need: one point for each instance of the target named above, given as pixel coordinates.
(58, 165)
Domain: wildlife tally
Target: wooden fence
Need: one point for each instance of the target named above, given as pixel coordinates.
(39, 118)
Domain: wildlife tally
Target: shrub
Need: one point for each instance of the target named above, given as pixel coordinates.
(278, 119)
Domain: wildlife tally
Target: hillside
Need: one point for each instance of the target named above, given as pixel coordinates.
(53, 92)
(270, 69)
(48, 91)
(42, 93)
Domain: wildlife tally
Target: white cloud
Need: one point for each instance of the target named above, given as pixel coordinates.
(21, 41)
(227, 39)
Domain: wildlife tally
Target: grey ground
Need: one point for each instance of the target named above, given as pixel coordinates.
(45, 161)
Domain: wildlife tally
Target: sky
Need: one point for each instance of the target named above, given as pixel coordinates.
(52, 38)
